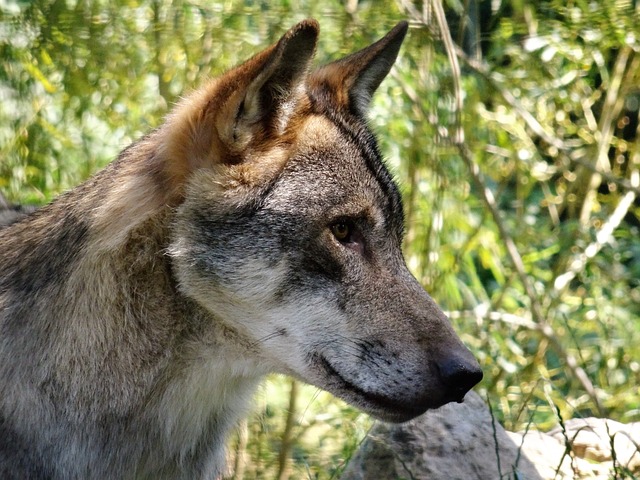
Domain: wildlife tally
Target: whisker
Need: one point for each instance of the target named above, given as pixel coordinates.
(313, 399)
(268, 337)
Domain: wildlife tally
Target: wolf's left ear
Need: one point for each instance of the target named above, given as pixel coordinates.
(253, 102)
(352, 80)
(281, 73)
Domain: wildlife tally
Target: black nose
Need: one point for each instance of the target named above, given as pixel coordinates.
(459, 374)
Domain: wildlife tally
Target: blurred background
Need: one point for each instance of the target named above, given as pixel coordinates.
(526, 233)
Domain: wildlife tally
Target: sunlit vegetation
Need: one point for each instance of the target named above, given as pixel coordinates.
(527, 233)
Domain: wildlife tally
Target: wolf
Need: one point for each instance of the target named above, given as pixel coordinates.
(256, 230)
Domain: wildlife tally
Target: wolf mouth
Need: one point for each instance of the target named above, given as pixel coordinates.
(385, 408)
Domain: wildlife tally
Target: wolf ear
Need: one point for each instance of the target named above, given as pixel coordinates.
(274, 80)
(352, 80)
(253, 102)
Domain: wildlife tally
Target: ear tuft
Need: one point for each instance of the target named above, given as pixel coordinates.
(306, 30)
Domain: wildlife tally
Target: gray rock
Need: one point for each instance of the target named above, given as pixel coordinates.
(583, 449)
(462, 442)
(12, 213)
(457, 441)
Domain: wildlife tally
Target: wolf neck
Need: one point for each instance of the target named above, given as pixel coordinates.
(202, 371)
(134, 188)
(122, 337)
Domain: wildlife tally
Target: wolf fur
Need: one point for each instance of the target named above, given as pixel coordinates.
(257, 230)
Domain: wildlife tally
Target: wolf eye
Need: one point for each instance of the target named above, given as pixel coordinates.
(342, 231)
(348, 235)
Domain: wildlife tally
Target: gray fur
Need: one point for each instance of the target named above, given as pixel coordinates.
(139, 311)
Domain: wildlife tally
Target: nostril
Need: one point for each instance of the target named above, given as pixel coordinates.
(459, 376)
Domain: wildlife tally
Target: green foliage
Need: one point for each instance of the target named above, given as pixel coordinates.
(325, 434)
(551, 118)
(550, 113)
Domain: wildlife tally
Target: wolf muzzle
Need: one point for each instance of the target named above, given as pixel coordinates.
(459, 373)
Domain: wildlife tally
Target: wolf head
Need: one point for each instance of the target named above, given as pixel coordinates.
(289, 227)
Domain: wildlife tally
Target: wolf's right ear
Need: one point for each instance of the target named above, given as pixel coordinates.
(351, 81)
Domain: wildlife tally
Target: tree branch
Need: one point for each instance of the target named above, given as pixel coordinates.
(287, 435)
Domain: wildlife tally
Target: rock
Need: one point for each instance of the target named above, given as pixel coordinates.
(545, 452)
(583, 449)
(462, 442)
(592, 439)
(457, 441)
(12, 213)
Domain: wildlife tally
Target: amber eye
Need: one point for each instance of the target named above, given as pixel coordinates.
(342, 231)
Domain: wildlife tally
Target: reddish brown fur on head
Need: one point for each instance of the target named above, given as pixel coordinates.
(245, 114)
(242, 126)
(247, 119)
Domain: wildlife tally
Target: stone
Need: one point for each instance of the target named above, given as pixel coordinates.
(463, 442)
(12, 213)
(457, 441)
